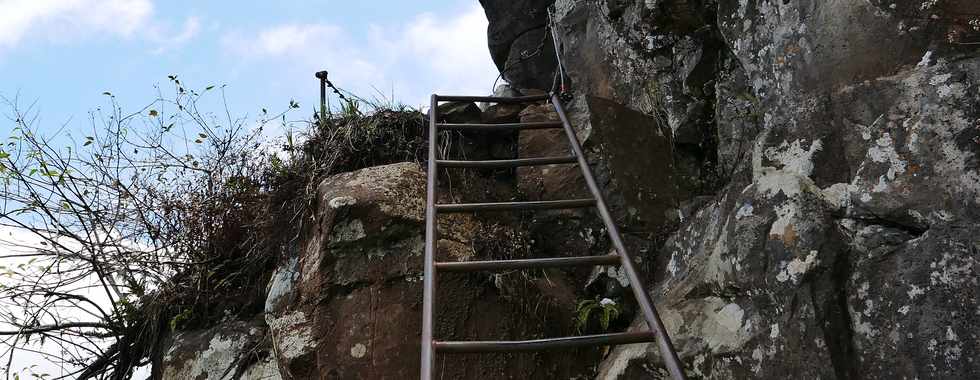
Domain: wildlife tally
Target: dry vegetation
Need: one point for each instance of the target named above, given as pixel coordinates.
(162, 219)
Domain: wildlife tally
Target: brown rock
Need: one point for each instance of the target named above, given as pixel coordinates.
(638, 151)
(349, 306)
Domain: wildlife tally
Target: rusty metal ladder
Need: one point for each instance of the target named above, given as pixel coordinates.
(656, 330)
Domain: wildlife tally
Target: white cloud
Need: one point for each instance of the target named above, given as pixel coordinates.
(70, 19)
(457, 49)
(296, 51)
(289, 39)
(66, 21)
(441, 53)
(165, 42)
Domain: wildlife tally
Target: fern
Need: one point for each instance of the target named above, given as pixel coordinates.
(608, 310)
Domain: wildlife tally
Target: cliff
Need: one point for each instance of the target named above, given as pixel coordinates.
(799, 179)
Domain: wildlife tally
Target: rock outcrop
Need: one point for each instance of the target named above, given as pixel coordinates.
(346, 303)
(520, 42)
(347, 306)
(799, 179)
(230, 350)
(838, 239)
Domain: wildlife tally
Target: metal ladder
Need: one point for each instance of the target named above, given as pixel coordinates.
(656, 330)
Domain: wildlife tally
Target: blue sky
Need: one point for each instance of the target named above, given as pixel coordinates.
(65, 53)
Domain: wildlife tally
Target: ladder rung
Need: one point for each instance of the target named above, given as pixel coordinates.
(471, 266)
(544, 344)
(493, 99)
(502, 206)
(500, 126)
(508, 163)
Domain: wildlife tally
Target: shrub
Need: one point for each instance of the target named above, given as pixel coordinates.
(177, 214)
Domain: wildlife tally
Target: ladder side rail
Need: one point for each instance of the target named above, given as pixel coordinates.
(653, 320)
(429, 273)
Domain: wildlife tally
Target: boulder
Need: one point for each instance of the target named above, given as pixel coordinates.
(547, 181)
(520, 42)
(348, 303)
(231, 350)
(471, 145)
(502, 113)
(459, 112)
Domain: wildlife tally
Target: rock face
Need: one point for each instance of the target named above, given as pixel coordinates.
(520, 42)
(349, 306)
(799, 179)
(834, 155)
(346, 304)
(356, 271)
(234, 349)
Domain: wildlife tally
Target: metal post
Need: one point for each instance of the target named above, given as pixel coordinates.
(642, 297)
(322, 76)
(429, 282)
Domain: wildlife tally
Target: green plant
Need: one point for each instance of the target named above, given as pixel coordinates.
(177, 214)
(605, 309)
(351, 108)
(152, 212)
(178, 320)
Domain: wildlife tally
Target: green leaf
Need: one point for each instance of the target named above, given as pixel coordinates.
(202, 135)
(604, 319)
(4, 155)
(584, 311)
(107, 93)
(154, 113)
(87, 143)
(208, 88)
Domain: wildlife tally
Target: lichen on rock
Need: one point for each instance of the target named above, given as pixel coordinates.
(800, 181)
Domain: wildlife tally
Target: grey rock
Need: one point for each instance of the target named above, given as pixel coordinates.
(843, 243)
(234, 349)
(459, 112)
(519, 41)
